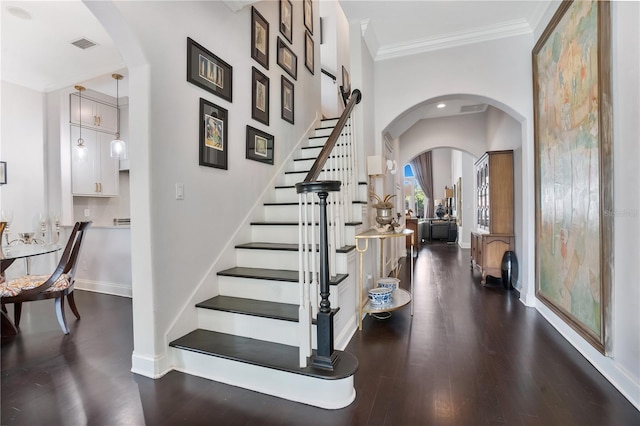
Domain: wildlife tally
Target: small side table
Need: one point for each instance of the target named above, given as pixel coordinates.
(399, 297)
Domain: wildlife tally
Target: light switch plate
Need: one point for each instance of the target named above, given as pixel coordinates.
(179, 191)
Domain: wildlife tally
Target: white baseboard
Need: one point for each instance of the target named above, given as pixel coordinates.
(153, 367)
(104, 287)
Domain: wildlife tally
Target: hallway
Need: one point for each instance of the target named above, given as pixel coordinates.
(471, 355)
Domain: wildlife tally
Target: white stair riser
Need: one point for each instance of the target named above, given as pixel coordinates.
(303, 165)
(328, 394)
(324, 131)
(289, 195)
(317, 141)
(268, 329)
(288, 234)
(280, 259)
(268, 290)
(293, 178)
(310, 152)
(286, 213)
(331, 122)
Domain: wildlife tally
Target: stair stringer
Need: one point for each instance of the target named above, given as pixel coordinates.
(187, 319)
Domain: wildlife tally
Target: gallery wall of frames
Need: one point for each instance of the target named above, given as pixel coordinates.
(216, 77)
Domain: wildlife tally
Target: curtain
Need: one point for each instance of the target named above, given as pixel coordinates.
(423, 169)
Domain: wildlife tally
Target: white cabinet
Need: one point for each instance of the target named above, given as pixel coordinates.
(96, 174)
(95, 114)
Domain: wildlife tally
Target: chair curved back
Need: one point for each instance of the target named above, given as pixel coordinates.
(68, 260)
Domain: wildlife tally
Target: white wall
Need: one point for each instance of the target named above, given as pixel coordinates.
(500, 71)
(622, 367)
(192, 239)
(465, 132)
(441, 162)
(334, 53)
(462, 167)
(23, 131)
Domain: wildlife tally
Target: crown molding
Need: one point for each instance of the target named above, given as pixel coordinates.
(492, 32)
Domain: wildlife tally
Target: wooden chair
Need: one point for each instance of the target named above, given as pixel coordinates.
(56, 286)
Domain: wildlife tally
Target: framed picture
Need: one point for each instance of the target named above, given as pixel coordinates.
(287, 59)
(207, 71)
(346, 85)
(308, 51)
(259, 96)
(259, 38)
(286, 19)
(287, 99)
(3, 172)
(308, 15)
(259, 145)
(213, 135)
(573, 168)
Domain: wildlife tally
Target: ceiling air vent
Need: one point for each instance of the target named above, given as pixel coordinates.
(83, 43)
(473, 108)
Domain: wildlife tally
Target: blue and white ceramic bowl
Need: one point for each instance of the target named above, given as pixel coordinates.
(380, 296)
(390, 282)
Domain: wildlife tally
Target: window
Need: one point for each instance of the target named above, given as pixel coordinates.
(413, 195)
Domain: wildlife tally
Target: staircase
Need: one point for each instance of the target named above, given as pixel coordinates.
(248, 335)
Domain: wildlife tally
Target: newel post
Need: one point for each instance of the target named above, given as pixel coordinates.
(325, 356)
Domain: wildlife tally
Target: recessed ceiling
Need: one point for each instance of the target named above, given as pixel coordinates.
(37, 49)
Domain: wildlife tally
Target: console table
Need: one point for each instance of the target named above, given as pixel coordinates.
(400, 297)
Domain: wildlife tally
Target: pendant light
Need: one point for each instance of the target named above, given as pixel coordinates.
(80, 147)
(118, 146)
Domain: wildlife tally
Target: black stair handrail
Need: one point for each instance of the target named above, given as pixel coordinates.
(355, 98)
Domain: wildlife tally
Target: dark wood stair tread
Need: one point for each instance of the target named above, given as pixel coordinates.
(258, 308)
(272, 274)
(261, 353)
(285, 247)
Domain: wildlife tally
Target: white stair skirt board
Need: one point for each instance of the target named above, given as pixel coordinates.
(259, 328)
(328, 394)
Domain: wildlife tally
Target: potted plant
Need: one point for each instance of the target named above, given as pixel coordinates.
(384, 208)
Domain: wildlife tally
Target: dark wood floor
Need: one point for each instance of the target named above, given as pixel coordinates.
(471, 355)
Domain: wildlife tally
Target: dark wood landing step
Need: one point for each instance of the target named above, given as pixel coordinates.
(261, 353)
(256, 308)
(285, 247)
(273, 274)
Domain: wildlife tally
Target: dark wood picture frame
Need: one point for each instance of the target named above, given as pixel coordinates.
(308, 52)
(213, 135)
(259, 145)
(259, 38)
(286, 20)
(287, 99)
(308, 15)
(207, 71)
(287, 60)
(259, 96)
(574, 169)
